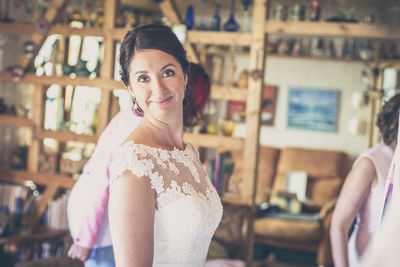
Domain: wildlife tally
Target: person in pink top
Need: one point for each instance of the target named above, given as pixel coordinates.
(88, 200)
(363, 191)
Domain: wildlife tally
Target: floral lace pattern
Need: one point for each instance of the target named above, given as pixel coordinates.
(188, 208)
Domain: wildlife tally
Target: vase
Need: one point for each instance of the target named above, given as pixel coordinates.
(231, 25)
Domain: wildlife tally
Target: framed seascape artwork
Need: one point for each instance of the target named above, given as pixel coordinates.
(313, 109)
(237, 109)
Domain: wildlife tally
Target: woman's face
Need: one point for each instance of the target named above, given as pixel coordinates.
(157, 82)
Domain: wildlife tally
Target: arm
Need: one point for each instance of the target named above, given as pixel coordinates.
(355, 189)
(131, 215)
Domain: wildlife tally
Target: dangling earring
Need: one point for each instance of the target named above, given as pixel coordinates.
(185, 87)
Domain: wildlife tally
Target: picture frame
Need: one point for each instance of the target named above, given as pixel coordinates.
(237, 109)
(312, 109)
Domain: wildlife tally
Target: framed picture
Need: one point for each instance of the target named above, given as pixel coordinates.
(237, 109)
(313, 109)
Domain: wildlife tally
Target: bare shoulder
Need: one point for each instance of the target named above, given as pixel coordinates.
(139, 136)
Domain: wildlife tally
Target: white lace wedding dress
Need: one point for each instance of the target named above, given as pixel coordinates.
(188, 208)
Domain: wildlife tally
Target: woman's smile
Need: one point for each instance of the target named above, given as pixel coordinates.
(161, 101)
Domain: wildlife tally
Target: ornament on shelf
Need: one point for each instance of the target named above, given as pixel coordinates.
(216, 20)
(17, 72)
(202, 26)
(190, 17)
(246, 17)
(231, 25)
(29, 48)
(42, 26)
(243, 79)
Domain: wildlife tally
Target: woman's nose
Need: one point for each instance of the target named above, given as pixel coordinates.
(158, 86)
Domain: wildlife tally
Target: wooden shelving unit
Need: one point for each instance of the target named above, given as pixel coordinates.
(53, 181)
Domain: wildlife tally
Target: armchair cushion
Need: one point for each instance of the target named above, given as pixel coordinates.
(288, 230)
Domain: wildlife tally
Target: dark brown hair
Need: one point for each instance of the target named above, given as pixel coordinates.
(388, 120)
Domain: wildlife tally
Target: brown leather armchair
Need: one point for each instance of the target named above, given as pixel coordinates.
(326, 172)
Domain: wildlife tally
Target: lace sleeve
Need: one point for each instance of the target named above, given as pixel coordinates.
(131, 157)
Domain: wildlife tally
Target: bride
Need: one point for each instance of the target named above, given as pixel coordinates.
(163, 209)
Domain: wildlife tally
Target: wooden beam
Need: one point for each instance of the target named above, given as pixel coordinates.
(65, 136)
(170, 11)
(107, 66)
(59, 180)
(220, 38)
(37, 118)
(38, 38)
(46, 197)
(353, 30)
(253, 113)
(30, 78)
(214, 141)
(15, 121)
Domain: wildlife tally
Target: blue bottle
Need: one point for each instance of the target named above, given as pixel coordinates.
(18, 202)
(190, 17)
(216, 20)
(231, 25)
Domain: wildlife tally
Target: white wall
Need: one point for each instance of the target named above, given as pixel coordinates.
(320, 74)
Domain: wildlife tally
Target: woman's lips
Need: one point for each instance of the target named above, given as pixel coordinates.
(163, 101)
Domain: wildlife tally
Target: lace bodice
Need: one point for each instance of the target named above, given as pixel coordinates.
(188, 208)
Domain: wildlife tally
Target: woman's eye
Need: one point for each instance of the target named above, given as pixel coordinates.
(168, 73)
(143, 79)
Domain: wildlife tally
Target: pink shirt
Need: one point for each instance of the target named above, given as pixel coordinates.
(88, 200)
(367, 219)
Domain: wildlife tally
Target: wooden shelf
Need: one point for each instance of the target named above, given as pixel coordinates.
(221, 52)
(219, 38)
(334, 29)
(389, 63)
(15, 121)
(228, 93)
(232, 38)
(65, 136)
(214, 141)
(324, 58)
(38, 178)
(65, 30)
(108, 84)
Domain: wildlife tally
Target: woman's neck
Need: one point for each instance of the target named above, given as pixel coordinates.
(167, 135)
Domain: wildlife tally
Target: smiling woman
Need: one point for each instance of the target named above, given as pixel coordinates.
(163, 208)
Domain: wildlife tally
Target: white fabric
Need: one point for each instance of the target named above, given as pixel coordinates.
(188, 208)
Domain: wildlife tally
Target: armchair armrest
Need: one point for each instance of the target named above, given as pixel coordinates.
(327, 208)
(16, 242)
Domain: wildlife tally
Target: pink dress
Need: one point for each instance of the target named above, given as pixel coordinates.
(368, 216)
(88, 200)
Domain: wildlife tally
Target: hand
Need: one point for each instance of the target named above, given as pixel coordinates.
(78, 252)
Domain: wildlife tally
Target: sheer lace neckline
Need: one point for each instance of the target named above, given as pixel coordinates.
(131, 143)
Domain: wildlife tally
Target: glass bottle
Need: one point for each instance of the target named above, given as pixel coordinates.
(315, 10)
(202, 26)
(246, 20)
(216, 20)
(190, 17)
(231, 25)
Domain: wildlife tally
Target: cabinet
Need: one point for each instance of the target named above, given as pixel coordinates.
(255, 41)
